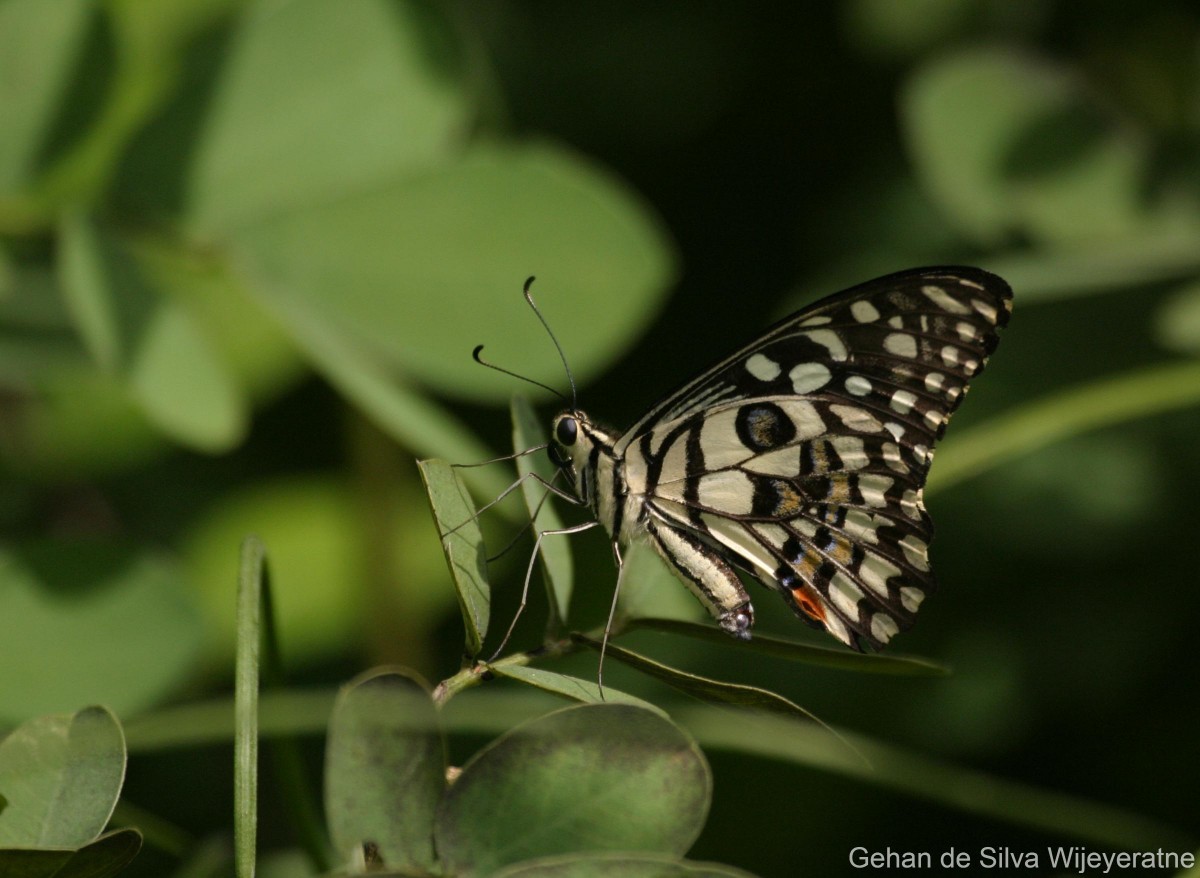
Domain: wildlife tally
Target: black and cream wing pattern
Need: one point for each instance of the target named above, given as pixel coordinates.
(802, 457)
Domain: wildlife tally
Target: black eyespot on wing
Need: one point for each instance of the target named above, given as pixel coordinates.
(763, 425)
(567, 431)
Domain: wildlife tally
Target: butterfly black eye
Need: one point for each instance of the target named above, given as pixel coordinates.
(566, 431)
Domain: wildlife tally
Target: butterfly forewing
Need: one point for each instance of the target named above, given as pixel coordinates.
(802, 457)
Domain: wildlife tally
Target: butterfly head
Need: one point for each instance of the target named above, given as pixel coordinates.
(573, 438)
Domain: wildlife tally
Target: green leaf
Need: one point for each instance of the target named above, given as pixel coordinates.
(148, 339)
(626, 865)
(106, 856)
(318, 101)
(39, 45)
(555, 551)
(704, 688)
(1006, 142)
(61, 775)
(1177, 320)
(82, 620)
(385, 769)
(589, 778)
(801, 652)
(574, 688)
(455, 517)
(414, 270)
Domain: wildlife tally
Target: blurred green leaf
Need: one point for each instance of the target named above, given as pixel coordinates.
(39, 42)
(108, 855)
(528, 432)
(316, 102)
(588, 778)
(91, 621)
(626, 865)
(585, 691)
(1177, 320)
(147, 338)
(986, 130)
(1076, 410)
(704, 688)
(385, 769)
(465, 553)
(312, 524)
(414, 270)
(62, 775)
(800, 652)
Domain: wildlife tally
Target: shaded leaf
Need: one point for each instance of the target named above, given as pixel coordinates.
(385, 769)
(61, 775)
(39, 42)
(574, 688)
(800, 652)
(528, 432)
(631, 865)
(648, 588)
(462, 541)
(588, 778)
(106, 856)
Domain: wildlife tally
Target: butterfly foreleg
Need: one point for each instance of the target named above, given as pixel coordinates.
(537, 545)
(708, 575)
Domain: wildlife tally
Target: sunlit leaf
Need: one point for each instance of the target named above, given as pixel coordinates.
(61, 776)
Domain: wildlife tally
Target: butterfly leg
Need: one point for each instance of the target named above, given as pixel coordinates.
(587, 525)
(709, 577)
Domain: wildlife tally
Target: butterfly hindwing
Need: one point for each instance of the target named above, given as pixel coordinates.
(803, 456)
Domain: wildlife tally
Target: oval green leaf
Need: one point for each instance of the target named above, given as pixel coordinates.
(455, 517)
(61, 776)
(417, 269)
(589, 778)
(385, 769)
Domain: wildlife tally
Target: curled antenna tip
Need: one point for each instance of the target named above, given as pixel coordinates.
(475, 354)
(529, 282)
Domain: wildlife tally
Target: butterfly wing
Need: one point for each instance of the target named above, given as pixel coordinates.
(803, 456)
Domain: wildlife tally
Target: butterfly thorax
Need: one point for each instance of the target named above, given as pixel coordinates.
(583, 451)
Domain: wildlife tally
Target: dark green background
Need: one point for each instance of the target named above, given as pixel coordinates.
(678, 175)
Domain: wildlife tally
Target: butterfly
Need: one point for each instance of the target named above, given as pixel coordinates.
(801, 458)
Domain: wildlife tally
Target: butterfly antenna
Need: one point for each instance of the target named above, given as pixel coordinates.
(481, 361)
(557, 346)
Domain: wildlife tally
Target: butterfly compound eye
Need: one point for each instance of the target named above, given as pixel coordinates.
(566, 432)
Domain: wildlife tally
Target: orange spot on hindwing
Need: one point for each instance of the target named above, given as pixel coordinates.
(809, 602)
